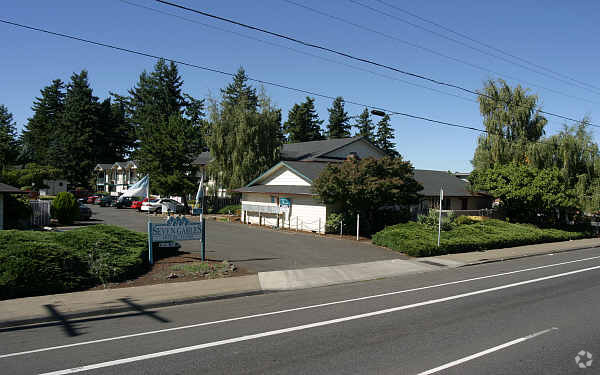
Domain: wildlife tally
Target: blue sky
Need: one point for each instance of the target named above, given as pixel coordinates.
(562, 36)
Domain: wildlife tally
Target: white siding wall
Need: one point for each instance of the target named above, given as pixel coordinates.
(306, 213)
(286, 177)
(361, 148)
(54, 187)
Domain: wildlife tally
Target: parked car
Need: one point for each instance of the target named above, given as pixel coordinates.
(106, 201)
(85, 213)
(158, 205)
(91, 199)
(125, 202)
(138, 204)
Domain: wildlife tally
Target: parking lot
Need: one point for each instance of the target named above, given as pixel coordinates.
(258, 249)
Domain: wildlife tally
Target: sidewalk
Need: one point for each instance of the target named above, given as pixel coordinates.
(60, 307)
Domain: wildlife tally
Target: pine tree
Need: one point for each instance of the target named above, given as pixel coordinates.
(339, 126)
(41, 128)
(240, 90)
(384, 139)
(303, 124)
(73, 148)
(9, 144)
(168, 128)
(365, 126)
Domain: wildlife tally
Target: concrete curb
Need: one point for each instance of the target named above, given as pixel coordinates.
(528, 255)
(124, 309)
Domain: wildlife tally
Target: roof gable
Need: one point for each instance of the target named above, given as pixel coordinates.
(318, 150)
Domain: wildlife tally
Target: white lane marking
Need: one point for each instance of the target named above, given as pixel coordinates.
(485, 352)
(307, 326)
(288, 310)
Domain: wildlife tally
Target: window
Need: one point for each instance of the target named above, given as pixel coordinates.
(60, 184)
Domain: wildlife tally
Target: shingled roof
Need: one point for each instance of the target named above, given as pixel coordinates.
(4, 188)
(453, 186)
(308, 151)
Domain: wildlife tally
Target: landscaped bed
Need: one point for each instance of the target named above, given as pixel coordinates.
(36, 263)
(420, 240)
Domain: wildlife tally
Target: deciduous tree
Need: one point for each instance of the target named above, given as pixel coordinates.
(364, 186)
(512, 119)
(527, 194)
(245, 138)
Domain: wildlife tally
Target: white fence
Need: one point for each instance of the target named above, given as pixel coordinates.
(40, 213)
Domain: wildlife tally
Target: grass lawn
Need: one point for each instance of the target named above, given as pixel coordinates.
(36, 263)
(421, 240)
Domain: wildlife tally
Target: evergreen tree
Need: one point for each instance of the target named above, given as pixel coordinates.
(41, 128)
(365, 126)
(303, 124)
(512, 118)
(245, 138)
(239, 90)
(72, 149)
(9, 144)
(114, 136)
(384, 139)
(168, 128)
(339, 126)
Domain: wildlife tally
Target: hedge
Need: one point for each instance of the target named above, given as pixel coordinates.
(36, 263)
(421, 240)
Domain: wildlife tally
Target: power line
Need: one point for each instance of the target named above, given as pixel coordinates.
(469, 46)
(432, 51)
(462, 35)
(364, 60)
(316, 94)
(242, 35)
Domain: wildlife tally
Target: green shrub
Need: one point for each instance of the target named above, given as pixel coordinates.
(34, 266)
(234, 208)
(421, 240)
(65, 208)
(433, 217)
(35, 262)
(333, 222)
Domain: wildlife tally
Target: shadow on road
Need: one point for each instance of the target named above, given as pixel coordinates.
(72, 327)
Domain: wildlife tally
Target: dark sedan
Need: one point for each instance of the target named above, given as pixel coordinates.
(85, 213)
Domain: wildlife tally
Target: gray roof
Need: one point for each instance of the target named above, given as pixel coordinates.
(433, 180)
(104, 166)
(309, 169)
(311, 150)
(203, 159)
(277, 189)
(4, 188)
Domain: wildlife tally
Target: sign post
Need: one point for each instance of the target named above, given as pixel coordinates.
(176, 229)
(440, 218)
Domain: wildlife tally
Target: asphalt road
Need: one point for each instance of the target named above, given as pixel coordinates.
(527, 316)
(259, 249)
